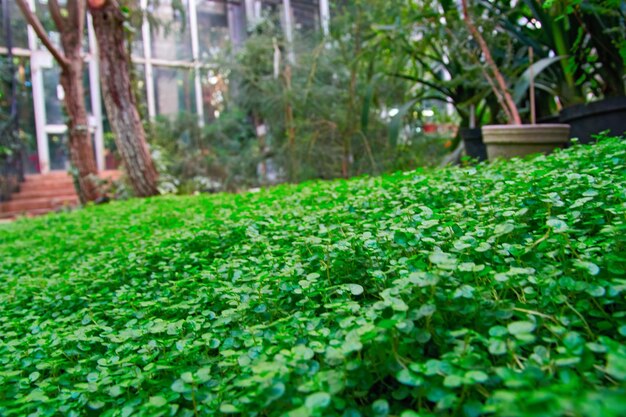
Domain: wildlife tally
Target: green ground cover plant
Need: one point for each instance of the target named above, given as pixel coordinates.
(488, 290)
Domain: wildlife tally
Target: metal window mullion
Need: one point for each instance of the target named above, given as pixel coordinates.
(21, 52)
(289, 30)
(147, 52)
(39, 104)
(94, 87)
(56, 129)
(195, 52)
(325, 17)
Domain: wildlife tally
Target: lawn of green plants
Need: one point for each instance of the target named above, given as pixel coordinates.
(488, 290)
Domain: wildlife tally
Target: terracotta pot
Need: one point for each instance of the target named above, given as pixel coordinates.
(508, 141)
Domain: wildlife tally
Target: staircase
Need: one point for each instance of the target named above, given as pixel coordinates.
(42, 193)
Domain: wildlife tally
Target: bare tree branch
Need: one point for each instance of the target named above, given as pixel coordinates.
(55, 12)
(503, 91)
(34, 22)
(76, 14)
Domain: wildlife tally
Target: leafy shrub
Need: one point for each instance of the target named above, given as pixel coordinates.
(220, 156)
(490, 290)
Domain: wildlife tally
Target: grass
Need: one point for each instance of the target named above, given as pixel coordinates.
(489, 290)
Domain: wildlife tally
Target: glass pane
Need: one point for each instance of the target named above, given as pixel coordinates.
(52, 91)
(137, 36)
(23, 123)
(271, 12)
(111, 155)
(305, 15)
(171, 36)
(43, 13)
(19, 33)
(236, 23)
(141, 95)
(137, 45)
(212, 28)
(214, 88)
(57, 145)
(87, 89)
(174, 91)
(26, 114)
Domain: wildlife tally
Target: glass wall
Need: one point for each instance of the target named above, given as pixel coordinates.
(18, 26)
(19, 71)
(57, 146)
(53, 96)
(214, 88)
(140, 88)
(305, 15)
(174, 51)
(171, 32)
(213, 33)
(174, 91)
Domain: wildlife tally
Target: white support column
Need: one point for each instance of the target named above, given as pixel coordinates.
(289, 30)
(195, 51)
(147, 51)
(325, 17)
(250, 16)
(39, 105)
(253, 12)
(94, 88)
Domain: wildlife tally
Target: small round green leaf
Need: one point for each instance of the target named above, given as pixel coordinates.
(520, 327)
(317, 400)
(158, 401)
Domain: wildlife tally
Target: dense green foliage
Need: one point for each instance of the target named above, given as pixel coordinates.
(465, 291)
(381, 90)
(328, 106)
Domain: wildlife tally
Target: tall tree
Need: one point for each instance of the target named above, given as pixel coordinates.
(70, 24)
(120, 103)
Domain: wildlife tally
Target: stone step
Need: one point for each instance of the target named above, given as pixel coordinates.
(42, 193)
(45, 192)
(26, 205)
(10, 216)
(35, 188)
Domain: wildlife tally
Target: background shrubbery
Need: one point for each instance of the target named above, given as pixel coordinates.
(326, 111)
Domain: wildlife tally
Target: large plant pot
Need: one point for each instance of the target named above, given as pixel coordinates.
(590, 119)
(508, 141)
(473, 142)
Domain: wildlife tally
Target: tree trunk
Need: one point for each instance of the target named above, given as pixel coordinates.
(80, 144)
(70, 25)
(119, 100)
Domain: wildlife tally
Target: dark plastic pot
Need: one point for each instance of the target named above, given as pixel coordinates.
(549, 119)
(592, 118)
(473, 142)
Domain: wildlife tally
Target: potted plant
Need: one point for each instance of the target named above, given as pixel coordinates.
(598, 60)
(515, 138)
(588, 37)
(451, 78)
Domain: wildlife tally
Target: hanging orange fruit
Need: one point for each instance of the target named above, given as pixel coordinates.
(96, 4)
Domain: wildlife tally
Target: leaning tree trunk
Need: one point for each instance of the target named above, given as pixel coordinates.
(70, 25)
(80, 144)
(121, 107)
